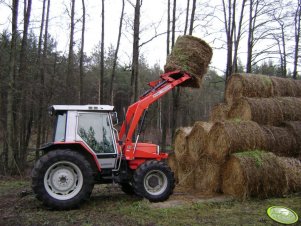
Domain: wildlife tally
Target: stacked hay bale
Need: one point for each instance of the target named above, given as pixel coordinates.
(254, 141)
(185, 177)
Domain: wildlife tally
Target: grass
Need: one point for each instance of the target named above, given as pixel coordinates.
(109, 206)
(257, 155)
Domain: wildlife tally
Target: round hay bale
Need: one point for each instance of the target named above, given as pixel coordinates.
(286, 87)
(173, 164)
(192, 55)
(197, 139)
(186, 173)
(233, 136)
(269, 111)
(219, 112)
(180, 143)
(248, 85)
(292, 169)
(280, 141)
(295, 128)
(207, 176)
(254, 174)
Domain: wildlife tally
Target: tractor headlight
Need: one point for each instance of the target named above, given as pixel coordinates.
(158, 149)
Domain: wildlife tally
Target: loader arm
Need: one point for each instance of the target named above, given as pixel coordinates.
(158, 89)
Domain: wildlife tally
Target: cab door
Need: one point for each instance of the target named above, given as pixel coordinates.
(96, 130)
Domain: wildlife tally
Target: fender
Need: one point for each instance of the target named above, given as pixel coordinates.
(80, 146)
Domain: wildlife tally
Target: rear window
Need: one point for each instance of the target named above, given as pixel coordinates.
(60, 129)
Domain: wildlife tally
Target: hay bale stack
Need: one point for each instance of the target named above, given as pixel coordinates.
(197, 139)
(292, 169)
(233, 136)
(280, 141)
(295, 128)
(269, 111)
(173, 164)
(248, 85)
(192, 55)
(207, 176)
(254, 174)
(180, 144)
(219, 112)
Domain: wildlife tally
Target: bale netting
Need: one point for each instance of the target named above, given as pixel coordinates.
(232, 136)
(207, 176)
(180, 144)
(251, 85)
(197, 139)
(173, 164)
(219, 112)
(254, 174)
(295, 128)
(192, 55)
(292, 169)
(248, 85)
(280, 141)
(268, 111)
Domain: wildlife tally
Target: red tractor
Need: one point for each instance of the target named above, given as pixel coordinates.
(87, 149)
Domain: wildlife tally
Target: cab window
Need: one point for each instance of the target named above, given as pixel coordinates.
(60, 128)
(96, 131)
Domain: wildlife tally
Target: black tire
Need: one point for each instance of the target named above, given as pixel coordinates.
(127, 188)
(62, 179)
(154, 181)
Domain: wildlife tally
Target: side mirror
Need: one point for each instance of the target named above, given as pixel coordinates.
(114, 118)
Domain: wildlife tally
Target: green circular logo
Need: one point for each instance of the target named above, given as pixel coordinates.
(282, 214)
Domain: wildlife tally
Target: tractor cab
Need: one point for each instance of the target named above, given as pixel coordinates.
(90, 126)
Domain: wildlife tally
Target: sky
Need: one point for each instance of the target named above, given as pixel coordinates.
(153, 19)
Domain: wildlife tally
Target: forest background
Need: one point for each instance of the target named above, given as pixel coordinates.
(38, 68)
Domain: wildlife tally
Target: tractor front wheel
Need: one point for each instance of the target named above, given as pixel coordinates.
(154, 181)
(62, 179)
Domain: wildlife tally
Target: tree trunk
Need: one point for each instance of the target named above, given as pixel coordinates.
(38, 92)
(41, 100)
(176, 91)
(69, 81)
(102, 54)
(116, 56)
(81, 61)
(250, 40)
(192, 17)
(10, 121)
(135, 60)
(173, 28)
(26, 119)
(238, 37)
(164, 100)
(297, 38)
(187, 16)
(284, 70)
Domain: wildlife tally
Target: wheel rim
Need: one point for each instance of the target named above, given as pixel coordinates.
(63, 180)
(155, 182)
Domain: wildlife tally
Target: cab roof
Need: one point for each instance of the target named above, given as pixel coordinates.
(89, 107)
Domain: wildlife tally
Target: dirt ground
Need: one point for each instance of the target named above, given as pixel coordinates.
(110, 206)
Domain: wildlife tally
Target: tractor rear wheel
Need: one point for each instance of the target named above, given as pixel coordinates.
(154, 181)
(62, 179)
